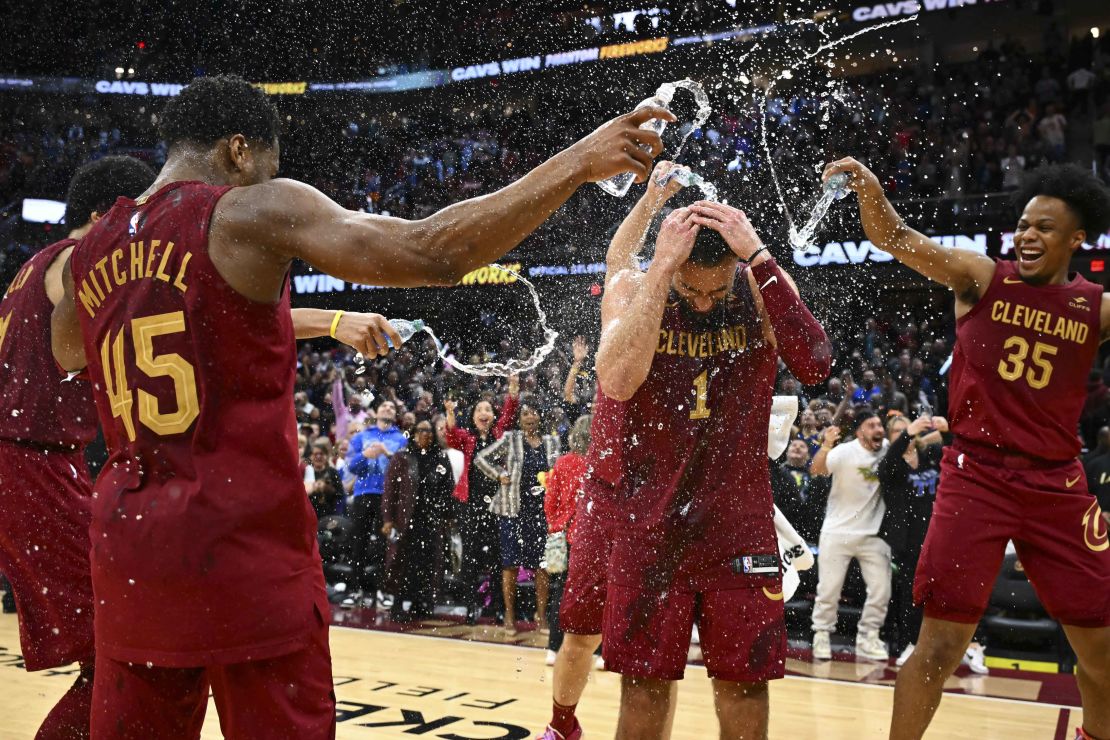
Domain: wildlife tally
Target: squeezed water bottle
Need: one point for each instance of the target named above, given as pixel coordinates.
(405, 328)
(838, 185)
(619, 185)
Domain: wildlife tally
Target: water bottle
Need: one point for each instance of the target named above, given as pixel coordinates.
(619, 185)
(405, 328)
(838, 184)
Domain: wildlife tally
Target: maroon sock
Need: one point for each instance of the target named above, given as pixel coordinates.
(562, 718)
(70, 717)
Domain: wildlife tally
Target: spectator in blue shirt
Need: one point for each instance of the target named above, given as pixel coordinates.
(367, 459)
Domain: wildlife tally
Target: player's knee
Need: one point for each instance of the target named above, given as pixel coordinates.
(741, 690)
(644, 694)
(579, 645)
(940, 652)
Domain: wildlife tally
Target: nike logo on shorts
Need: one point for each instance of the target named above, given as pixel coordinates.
(1070, 483)
(770, 281)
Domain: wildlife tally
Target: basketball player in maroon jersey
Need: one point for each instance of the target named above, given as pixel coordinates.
(583, 604)
(204, 557)
(686, 369)
(1027, 332)
(45, 425)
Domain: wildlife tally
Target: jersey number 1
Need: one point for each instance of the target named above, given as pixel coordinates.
(171, 365)
(701, 395)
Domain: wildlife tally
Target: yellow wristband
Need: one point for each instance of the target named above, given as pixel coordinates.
(335, 323)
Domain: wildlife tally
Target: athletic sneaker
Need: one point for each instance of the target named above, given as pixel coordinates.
(868, 645)
(822, 648)
(352, 600)
(551, 734)
(974, 659)
(550, 658)
(904, 656)
(599, 664)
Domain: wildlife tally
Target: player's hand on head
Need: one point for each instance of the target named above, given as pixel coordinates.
(367, 333)
(940, 424)
(676, 238)
(731, 223)
(616, 146)
(831, 435)
(450, 405)
(514, 385)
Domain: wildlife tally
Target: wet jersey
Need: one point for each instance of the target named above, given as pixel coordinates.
(1019, 368)
(687, 453)
(38, 405)
(203, 541)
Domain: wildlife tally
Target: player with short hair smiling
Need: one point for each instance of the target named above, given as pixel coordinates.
(1027, 332)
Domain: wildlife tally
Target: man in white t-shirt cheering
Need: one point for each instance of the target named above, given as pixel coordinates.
(851, 530)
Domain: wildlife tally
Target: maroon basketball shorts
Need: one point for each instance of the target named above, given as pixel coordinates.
(583, 606)
(44, 551)
(1053, 520)
(739, 614)
(288, 697)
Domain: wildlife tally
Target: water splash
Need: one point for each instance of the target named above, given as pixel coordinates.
(619, 185)
(689, 178)
(833, 190)
(666, 92)
(787, 74)
(513, 366)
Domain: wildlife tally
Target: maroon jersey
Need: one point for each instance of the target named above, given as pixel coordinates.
(204, 543)
(688, 452)
(37, 405)
(1019, 369)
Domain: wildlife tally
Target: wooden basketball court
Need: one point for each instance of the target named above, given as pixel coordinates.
(392, 685)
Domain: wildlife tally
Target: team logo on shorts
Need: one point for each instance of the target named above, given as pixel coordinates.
(773, 596)
(1094, 529)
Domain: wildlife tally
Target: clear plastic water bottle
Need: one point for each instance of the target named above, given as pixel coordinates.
(619, 185)
(838, 184)
(405, 328)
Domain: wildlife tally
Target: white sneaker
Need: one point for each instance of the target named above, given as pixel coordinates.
(868, 645)
(599, 664)
(904, 656)
(974, 659)
(549, 660)
(822, 648)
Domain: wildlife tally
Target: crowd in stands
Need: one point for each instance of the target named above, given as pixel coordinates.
(957, 130)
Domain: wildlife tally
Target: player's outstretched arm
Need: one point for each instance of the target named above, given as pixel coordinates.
(632, 310)
(65, 329)
(289, 219)
(365, 332)
(629, 239)
(968, 274)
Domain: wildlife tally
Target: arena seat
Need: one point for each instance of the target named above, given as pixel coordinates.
(1016, 620)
